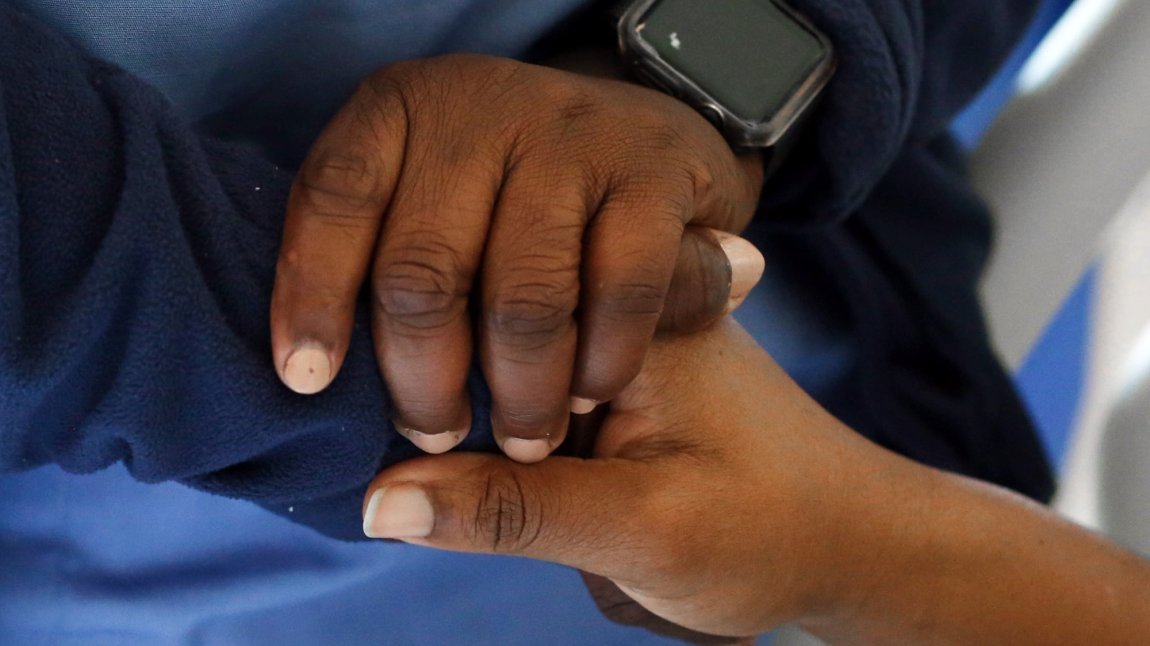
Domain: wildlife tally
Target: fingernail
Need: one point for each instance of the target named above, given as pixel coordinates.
(747, 267)
(308, 370)
(581, 406)
(435, 444)
(526, 451)
(400, 511)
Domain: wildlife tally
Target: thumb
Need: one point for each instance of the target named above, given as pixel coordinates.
(714, 273)
(565, 510)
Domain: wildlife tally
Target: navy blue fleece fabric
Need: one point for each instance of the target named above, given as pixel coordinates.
(136, 265)
(906, 68)
(137, 259)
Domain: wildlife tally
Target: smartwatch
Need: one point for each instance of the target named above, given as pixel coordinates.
(753, 68)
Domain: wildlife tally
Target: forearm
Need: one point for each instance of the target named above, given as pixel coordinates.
(947, 560)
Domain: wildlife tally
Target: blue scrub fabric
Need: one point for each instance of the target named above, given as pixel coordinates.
(136, 259)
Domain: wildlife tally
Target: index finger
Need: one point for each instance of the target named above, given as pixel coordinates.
(334, 215)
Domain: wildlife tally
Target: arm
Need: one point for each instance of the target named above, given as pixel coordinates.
(960, 562)
(722, 498)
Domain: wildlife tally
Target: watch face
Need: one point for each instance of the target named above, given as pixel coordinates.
(750, 55)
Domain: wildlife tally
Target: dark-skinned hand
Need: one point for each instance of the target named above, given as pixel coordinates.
(576, 214)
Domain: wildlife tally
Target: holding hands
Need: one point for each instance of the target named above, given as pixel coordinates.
(573, 213)
(573, 216)
(721, 498)
(706, 499)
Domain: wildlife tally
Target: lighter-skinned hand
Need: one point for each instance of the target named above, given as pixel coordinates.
(550, 221)
(722, 498)
(712, 497)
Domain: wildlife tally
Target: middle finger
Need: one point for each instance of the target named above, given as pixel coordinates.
(528, 334)
(429, 253)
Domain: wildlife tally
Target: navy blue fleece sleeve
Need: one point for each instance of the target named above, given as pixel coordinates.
(136, 266)
(906, 67)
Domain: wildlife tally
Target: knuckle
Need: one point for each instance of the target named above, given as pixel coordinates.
(532, 314)
(580, 107)
(467, 76)
(507, 517)
(419, 293)
(299, 281)
(639, 302)
(385, 85)
(661, 198)
(660, 133)
(383, 92)
(341, 184)
(576, 108)
(680, 164)
(389, 89)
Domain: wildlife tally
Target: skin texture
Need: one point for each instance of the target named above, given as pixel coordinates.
(722, 498)
(569, 212)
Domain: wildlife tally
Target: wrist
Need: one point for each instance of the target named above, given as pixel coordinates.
(871, 532)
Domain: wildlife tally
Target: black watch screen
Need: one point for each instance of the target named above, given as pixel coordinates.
(746, 53)
(754, 65)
